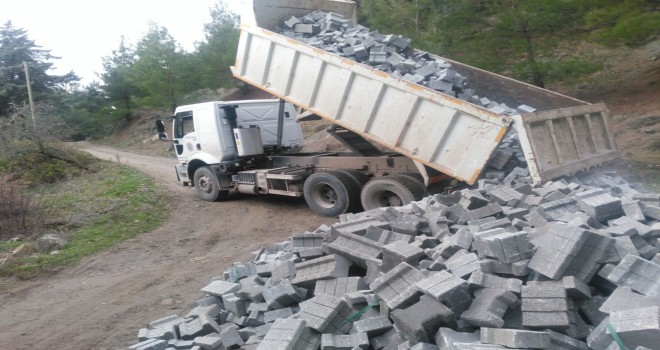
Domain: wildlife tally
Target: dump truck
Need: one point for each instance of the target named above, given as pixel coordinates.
(402, 136)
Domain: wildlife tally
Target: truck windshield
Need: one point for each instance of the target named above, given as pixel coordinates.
(183, 124)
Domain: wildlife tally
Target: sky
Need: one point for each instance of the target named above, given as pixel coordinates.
(81, 32)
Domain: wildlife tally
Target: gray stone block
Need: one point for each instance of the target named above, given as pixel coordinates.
(209, 342)
(421, 321)
(390, 339)
(635, 327)
(399, 252)
(150, 344)
(339, 286)
(373, 326)
(356, 248)
(396, 287)
(359, 227)
(197, 327)
(559, 210)
(515, 338)
(462, 264)
(623, 298)
(448, 289)
(447, 338)
(641, 275)
(632, 209)
(386, 237)
(219, 288)
(344, 342)
(235, 304)
(283, 294)
(283, 334)
(518, 268)
(479, 279)
(326, 314)
(507, 247)
(164, 332)
(452, 244)
(327, 267)
(485, 211)
(570, 251)
(272, 316)
(545, 305)
(599, 204)
(488, 307)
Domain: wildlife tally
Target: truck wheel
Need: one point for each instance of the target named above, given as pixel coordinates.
(390, 191)
(417, 181)
(206, 185)
(358, 179)
(329, 193)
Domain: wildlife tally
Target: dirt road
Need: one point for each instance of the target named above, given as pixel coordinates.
(101, 302)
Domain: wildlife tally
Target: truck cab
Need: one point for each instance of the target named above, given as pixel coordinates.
(220, 132)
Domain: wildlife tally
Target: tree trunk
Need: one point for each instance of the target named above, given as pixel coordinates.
(537, 76)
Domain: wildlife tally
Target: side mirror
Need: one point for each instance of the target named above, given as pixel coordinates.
(160, 126)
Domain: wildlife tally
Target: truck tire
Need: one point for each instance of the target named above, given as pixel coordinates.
(358, 179)
(390, 191)
(206, 185)
(329, 193)
(417, 181)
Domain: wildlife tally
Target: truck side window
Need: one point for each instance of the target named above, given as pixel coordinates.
(184, 124)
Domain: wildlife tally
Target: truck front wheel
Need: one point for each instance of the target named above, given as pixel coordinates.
(207, 186)
(329, 193)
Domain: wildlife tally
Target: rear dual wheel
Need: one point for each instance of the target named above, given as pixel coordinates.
(391, 191)
(332, 192)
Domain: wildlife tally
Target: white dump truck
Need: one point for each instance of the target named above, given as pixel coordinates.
(254, 146)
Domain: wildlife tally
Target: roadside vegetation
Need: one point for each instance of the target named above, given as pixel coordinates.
(80, 215)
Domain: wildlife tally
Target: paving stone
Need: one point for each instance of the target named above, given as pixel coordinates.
(488, 307)
(150, 344)
(344, 342)
(356, 248)
(479, 279)
(399, 252)
(326, 314)
(396, 287)
(385, 237)
(570, 251)
(452, 244)
(635, 327)
(545, 305)
(448, 289)
(197, 327)
(327, 267)
(518, 268)
(462, 264)
(641, 275)
(599, 204)
(283, 334)
(220, 288)
(515, 338)
(373, 326)
(508, 247)
(624, 298)
(282, 295)
(208, 342)
(339, 286)
(420, 321)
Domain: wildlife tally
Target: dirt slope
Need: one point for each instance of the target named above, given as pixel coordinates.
(101, 302)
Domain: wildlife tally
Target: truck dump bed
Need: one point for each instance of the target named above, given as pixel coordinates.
(445, 133)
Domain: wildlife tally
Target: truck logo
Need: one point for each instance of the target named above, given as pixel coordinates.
(190, 146)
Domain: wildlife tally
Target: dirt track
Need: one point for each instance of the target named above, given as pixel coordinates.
(101, 302)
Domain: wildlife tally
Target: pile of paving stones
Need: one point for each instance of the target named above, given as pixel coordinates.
(388, 53)
(567, 264)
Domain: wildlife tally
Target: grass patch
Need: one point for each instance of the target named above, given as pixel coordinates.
(95, 212)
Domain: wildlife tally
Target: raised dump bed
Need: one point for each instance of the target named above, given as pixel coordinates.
(450, 135)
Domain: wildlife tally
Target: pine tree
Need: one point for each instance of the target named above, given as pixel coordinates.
(16, 49)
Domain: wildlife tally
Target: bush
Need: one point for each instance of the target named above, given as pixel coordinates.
(21, 212)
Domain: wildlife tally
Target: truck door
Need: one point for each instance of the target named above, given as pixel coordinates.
(185, 138)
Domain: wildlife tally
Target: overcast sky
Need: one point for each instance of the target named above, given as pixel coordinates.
(83, 31)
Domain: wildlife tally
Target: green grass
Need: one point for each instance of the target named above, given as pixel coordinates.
(111, 205)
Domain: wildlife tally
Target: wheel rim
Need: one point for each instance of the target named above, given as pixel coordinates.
(388, 199)
(204, 184)
(325, 195)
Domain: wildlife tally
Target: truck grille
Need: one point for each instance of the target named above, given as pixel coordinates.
(247, 177)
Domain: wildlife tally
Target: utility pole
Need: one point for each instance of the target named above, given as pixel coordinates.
(29, 88)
